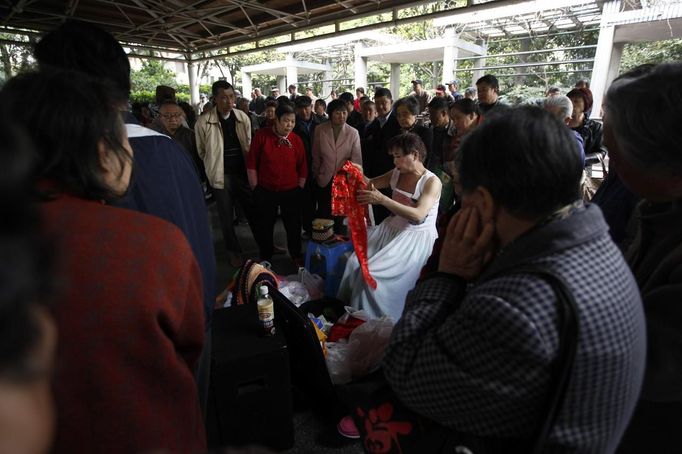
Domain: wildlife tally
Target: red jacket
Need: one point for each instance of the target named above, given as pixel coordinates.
(276, 166)
(131, 328)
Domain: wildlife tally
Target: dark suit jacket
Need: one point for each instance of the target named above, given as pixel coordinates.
(375, 157)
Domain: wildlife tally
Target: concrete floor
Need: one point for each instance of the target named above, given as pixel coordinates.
(312, 435)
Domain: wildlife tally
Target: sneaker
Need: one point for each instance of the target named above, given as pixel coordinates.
(347, 428)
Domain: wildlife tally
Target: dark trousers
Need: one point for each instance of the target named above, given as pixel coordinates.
(289, 203)
(236, 192)
(323, 196)
(308, 204)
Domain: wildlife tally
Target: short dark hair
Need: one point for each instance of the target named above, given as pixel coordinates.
(84, 47)
(584, 82)
(582, 93)
(383, 93)
(438, 104)
(303, 101)
(220, 85)
(368, 103)
(164, 93)
(644, 108)
(347, 97)
(284, 99)
(283, 109)
(407, 143)
(80, 114)
(361, 90)
(410, 102)
(526, 158)
(490, 80)
(271, 104)
(320, 102)
(466, 106)
(334, 105)
(26, 272)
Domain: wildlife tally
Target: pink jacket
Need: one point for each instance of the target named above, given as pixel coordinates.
(329, 155)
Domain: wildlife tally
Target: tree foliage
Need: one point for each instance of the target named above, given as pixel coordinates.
(152, 74)
(15, 58)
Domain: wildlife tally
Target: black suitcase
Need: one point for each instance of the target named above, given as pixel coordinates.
(250, 400)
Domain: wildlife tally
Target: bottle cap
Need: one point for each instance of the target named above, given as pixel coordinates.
(263, 290)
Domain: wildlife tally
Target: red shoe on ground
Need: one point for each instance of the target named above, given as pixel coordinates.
(347, 428)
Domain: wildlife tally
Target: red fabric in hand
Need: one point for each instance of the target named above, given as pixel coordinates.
(346, 183)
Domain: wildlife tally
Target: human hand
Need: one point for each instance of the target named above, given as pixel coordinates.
(467, 246)
(370, 195)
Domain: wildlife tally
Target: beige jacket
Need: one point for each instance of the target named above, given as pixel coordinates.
(210, 143)
(330, 155)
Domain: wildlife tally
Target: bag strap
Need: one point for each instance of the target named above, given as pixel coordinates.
(568, 347)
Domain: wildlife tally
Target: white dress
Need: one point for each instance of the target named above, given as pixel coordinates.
(397, 250)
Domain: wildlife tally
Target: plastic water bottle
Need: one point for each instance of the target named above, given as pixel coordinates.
(266, 311)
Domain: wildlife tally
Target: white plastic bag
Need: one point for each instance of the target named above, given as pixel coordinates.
(295, 292)
(363, 352)
(313, 283)
(337, 363)
(367, 345)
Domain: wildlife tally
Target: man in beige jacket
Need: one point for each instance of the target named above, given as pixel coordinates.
(223, 139)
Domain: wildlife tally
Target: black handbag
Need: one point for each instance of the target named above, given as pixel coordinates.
(386, 425)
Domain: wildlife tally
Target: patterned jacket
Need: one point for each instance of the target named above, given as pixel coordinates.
(479, 360)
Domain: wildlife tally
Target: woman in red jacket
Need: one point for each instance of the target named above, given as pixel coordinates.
(129, 308)
(277, 171)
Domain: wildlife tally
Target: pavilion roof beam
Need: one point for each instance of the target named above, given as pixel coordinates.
(18, 8)
(71, 8)
(344, 4)
(273, 12)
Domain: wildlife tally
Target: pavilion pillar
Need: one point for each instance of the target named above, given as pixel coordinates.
(606, 58)
(292, 72)
(395, 80)
(360, 68)
(246, 85)
(479, 63)
(450, 52)
(282, 85)
(193, 82)
(327, 85)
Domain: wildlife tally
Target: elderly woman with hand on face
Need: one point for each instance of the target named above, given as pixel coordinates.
(399, 247)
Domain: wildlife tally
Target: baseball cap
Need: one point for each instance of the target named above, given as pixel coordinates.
(440, 87)
(453, 82)
(417, 81)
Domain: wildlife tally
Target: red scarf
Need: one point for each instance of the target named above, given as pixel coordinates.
(347, 182)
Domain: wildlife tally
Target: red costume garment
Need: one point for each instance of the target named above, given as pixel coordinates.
(346, 183)
(131, 328)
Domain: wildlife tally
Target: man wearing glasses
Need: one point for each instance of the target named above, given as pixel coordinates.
(172, 123)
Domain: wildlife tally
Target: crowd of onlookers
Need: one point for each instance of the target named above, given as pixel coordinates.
(108, 273)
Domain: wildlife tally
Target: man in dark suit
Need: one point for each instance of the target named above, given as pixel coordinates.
(375, 158)
(305, 129)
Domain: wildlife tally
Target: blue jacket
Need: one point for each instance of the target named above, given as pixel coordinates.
(479, 360)
(165, 184)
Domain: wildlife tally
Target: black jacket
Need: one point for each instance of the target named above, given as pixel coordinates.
(375, 158)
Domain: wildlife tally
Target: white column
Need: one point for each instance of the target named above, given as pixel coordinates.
(246, 85)
(193, 83)
(603, 57)
(395, 80)
(478, 64)
(360, 68)
(327, 85)
(292, 71)
(282, 85)
(450, 52)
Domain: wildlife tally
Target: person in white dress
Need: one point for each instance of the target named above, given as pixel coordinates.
(398, 248)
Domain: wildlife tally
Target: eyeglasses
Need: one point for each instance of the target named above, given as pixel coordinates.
(168, 116)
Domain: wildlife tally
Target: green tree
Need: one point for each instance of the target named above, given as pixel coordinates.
(15, 58)
(635, 54)
(151, 75)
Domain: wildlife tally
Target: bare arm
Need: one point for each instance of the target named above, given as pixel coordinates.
(416, 214)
